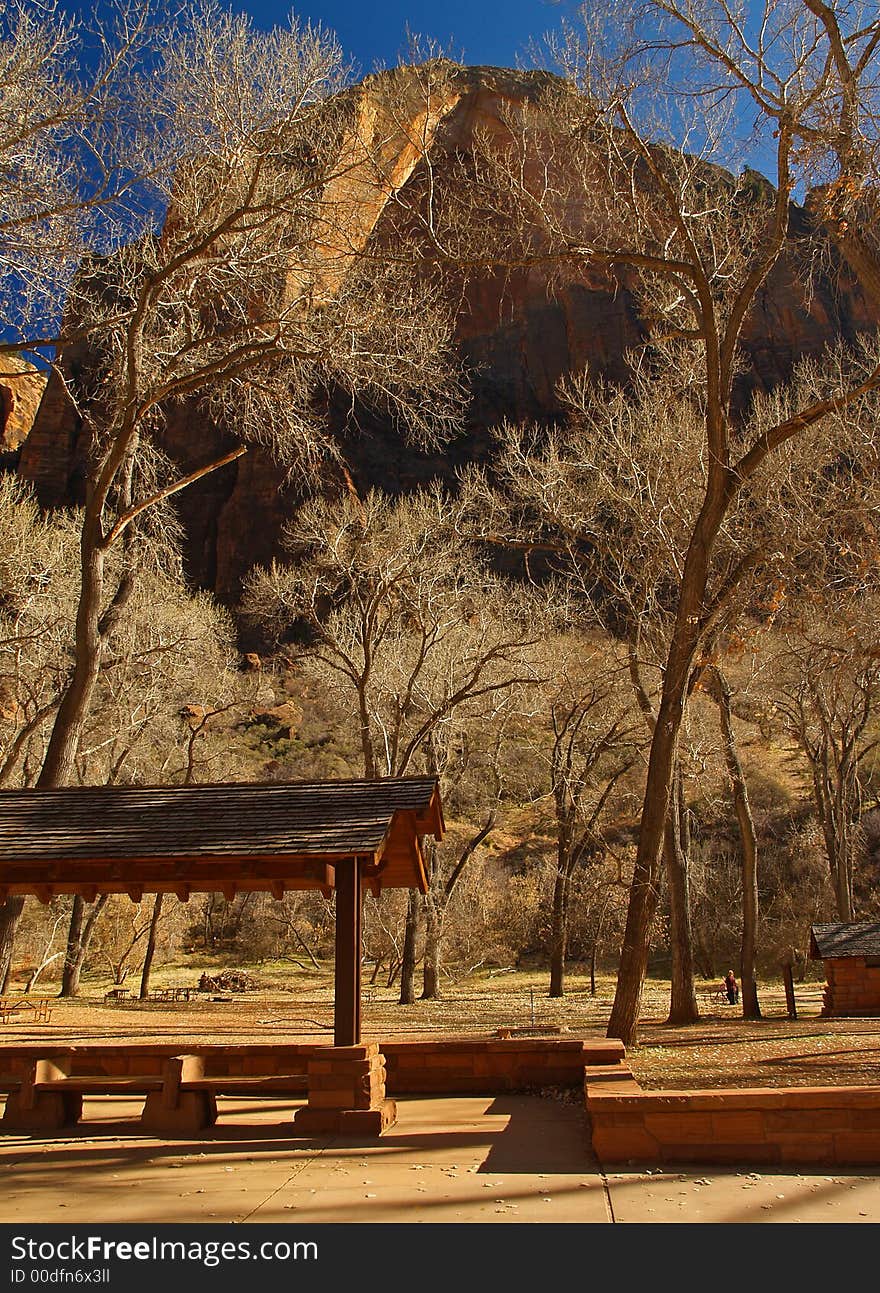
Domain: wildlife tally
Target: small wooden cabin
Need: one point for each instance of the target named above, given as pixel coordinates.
(851, 952)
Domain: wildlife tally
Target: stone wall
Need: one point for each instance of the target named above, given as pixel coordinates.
(493, 1065)
(852, 987)
(800, 1125)
(436, 1067)
(833, 1126)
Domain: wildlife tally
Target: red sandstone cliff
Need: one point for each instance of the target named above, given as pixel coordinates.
(21, 390)
(516, 340)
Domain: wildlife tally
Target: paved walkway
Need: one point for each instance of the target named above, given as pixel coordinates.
(458, 1159)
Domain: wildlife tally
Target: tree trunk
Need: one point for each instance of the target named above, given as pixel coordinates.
(594, 950)
(408, 964)
(10, 914)
(44, 965)
(437, 900)
(151, 947)
(842, 884)
(73, 957)
(623, 1022)
(559, 933)
(645, 887)
(431, 990)
(832, 806)
(749, 845)
(79, 937)
(683, 998)
(58, 765)
(47, 956)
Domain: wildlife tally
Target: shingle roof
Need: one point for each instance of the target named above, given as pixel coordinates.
(845, 938)
(313, 818)
(57, 836)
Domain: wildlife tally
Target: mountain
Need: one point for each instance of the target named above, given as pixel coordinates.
(516, 338)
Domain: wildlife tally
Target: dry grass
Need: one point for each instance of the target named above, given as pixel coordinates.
(721, 1051)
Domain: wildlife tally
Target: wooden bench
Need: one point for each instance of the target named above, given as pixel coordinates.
(39, 1007)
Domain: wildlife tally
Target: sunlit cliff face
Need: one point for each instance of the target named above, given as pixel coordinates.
(402, 142)
(21, 389)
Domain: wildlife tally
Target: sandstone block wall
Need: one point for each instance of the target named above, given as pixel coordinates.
(801, 1125)
(852, 987)
(493, 1065)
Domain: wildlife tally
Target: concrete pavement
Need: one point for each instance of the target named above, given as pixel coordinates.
(493, 1160)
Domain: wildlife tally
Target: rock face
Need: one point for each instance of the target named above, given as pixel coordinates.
(516, 340)
(21, 390)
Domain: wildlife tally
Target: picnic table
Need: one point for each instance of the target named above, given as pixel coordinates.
(717, 995)
(38, 1006)
(118, 994)
(175, 993)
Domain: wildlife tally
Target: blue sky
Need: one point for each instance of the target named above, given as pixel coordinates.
(495, 32)
(475, 31)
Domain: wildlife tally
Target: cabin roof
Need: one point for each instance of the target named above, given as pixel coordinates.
(845, 938)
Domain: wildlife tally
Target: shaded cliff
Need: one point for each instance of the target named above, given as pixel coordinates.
(515, 336)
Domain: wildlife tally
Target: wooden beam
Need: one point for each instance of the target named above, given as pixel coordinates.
(276, 888)
(229, 891)
(43, 893)
(88, 892)
(400, 861)
(135, 892)
(347, 994)
(182, 891)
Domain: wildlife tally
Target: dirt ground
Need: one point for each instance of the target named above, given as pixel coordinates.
(721, 1051)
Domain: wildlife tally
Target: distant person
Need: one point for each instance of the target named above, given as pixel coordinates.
(731, 987)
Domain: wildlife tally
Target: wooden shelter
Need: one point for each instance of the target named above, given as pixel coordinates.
(334, 836)
(851, 952)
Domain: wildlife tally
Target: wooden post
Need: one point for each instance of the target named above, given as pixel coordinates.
(347, 996)
(788, 980)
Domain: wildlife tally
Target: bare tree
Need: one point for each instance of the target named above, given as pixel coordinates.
(473, 774)
(606, 191)
(47, 956)
(716, 684)
(408, 628)
(229, 299)
(826, 691)
(409, 631)
(73, 146)
(233, 272)
(170, 650)
(120, 933)
(590, 743)
(806, 67)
